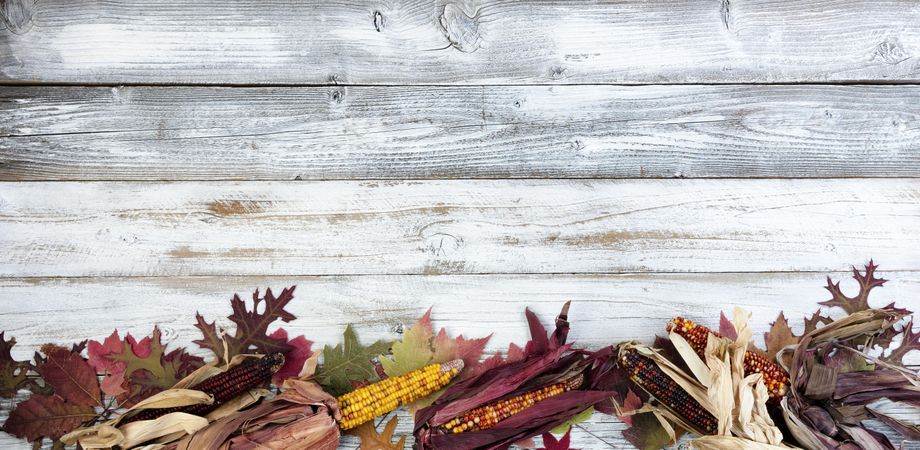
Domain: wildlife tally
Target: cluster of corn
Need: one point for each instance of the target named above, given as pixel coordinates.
(485, 417)
(365, 403)
(774, 377)
(645, 373)
(223, 387)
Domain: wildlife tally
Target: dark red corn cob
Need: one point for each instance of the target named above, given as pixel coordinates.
(223, 387)
(774, 377)
(645, 373)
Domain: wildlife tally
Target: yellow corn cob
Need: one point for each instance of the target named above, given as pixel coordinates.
(487, 416)
(365, 403)
(774, 377)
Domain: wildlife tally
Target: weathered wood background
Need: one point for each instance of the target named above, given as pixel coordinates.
(643, 159)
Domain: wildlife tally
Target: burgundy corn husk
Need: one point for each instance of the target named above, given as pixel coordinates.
(302, 417)
(826, 405)
(546, 361)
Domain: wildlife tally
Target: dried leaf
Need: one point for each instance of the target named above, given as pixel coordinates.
(71, 376)
(860, 302)
(726, 328)
(730, 443)
(371, 440)
(647, 433)
(412, 351)
(551, 443)
(251, 335)
(910, 341)
(46, 416)
(301, 350)
(779, 337)
(136, 370)
(13, 374)
(348, 362)
(566, 427)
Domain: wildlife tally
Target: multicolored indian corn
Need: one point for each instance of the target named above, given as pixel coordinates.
(365, 403)
(487, 416)
(223, 387)
(774, 377)
(643, 371)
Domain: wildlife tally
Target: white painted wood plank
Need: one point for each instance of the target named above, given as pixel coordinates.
(439, 227)
(606, 309)
(458, 42)
(189, 133)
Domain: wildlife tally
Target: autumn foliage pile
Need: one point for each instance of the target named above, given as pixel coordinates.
(714, 388)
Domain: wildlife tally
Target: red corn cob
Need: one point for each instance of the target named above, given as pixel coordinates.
(645, 373)
(487, 416)
(223, 387)
(774, 377)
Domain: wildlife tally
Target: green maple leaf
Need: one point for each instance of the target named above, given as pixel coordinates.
(566, 426)
(347, 363)
(411, 352)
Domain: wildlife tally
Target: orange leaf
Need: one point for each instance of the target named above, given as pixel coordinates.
(372, 440)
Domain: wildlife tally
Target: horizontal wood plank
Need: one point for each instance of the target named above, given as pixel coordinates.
(606, 309)
(458, 42)
(182, 133)
(452, 227)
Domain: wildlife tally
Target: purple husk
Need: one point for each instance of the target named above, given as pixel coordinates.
(546, 361)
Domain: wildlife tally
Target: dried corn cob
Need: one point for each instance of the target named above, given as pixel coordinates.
(223, 387)
(487, 416)
(645, 373)
(774, 377)
(365, 403)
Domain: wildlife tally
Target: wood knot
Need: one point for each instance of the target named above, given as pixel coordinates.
(379, 23)
(890, 51)
(17, 15)
(460, 29)
(338, 95)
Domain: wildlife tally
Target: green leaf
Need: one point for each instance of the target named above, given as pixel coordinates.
(347, 363)
(564, 427)
(411, 352)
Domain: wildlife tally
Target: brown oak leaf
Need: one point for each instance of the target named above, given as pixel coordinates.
(13, 374)
(251, 334)
(372, 440)
(46, 416)
(779, 336)
(910, 341)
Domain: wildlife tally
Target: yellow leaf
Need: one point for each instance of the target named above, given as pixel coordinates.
(371, 440)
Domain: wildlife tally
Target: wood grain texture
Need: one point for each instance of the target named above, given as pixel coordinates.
(606, 309)
(458, 42)
(452, 227)
(181, 133)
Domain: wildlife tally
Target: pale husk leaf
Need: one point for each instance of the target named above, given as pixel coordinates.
(147, 430)
(730, 443)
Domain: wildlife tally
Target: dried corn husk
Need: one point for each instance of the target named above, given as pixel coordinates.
(303, 416)
(169, 427)
(718, 383)
(547, 360)
(826, 405)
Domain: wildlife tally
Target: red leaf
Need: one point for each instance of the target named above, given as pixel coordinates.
(251, 335)
(861, 301)
(138, 369)
(301, 350)
(46, 416)
(13, 374)
(646, 433)
(726, 327)
(551, 443)
(910, 341)
(70, 375)
(632, 403)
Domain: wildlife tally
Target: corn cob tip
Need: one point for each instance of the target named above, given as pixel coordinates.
(276, 360)
(451, 365)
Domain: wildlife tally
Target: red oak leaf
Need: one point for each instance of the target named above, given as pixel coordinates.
(861, 301)
(46, 416)
(910, 341)
(251, 334)
(70, 375)
(301, 350)
(469, 350)
(551, 443)
(632, 403)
